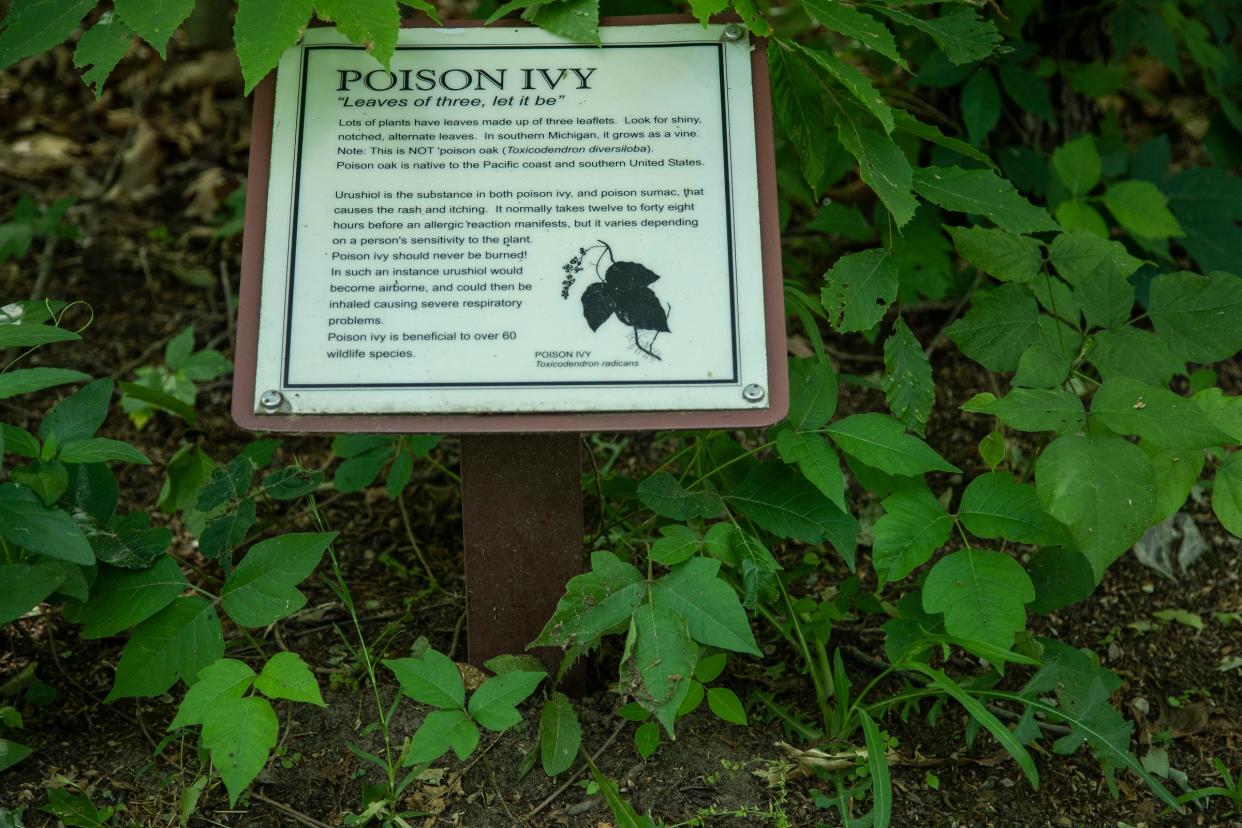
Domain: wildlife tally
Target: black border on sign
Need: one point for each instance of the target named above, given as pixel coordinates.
(287, 345)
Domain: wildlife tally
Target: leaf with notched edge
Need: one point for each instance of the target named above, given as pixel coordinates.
(597, 304)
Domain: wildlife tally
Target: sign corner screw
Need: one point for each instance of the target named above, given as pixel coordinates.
(753, 393)
(271, 400)
(733, 31)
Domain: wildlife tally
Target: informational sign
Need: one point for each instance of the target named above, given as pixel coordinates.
(507, 223)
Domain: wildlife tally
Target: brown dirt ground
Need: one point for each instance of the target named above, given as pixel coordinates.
(149, 165)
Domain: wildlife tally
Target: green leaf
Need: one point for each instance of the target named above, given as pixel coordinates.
(910, 125)
(622, 811)
(914, 525)
(812, 393)
(262, 587)
(10, 754)
(677, 544)
(647, 737)
(710, 667)
(440, 731)
(1198, 317)
(664, 495)
(48, 480)
(1142, 209)
(26, 586)
(1082, 257)
(560, 735)
(369, 23)
(240, 733)
(433, 679)
(659, 662)
(1062, 577)
(981, 105)
(981, 192)
(858, 84)
(1000, 325)
(711, 610)
(1002, 255)
(1159, 416)
(204, 365)
(1077, 163)
(983, 716)
(1102, 488)
(1075, 216)
(225, 533)
(798, 101)
(981, 594)
(963, 36)
(80, 414)
(1082, 689)
(1033, 409)
(725, 704)
(595, 603)
(33, 27)
(292, 482)
(18, 441)
(850, 22)
(882, 166)
(907, 380)
(859, 288)
(881, 442)
(877, 766)
(100, 450)
(1227, 494)
(1042, 366)
(157, 399)
(286, 676)
(154, 20)
(995, 505)
(1176, 473)
(784, 503)
(227, 678)
(102, 48)
(1027, 90)
(494, 704)
(263, 30)
(704, 9)
(122, 598)
(1132, 352)
(30, 380)
(177, 642)
(26, 523)
(226, 484)
(576, 20)
(817, 461)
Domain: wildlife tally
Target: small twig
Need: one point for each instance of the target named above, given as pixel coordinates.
(516, 820)
(957, 309)
(461, 622)
(418, 549)
(292, 813)
(45, 268)
(574, 776)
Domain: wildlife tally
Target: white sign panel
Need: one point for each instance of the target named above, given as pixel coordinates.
(508, 222)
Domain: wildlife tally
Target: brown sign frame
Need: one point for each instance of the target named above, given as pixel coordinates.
(246, 352)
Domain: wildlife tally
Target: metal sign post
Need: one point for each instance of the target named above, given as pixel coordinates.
(519, 239)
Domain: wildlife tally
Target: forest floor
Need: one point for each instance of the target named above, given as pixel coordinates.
(151, 166)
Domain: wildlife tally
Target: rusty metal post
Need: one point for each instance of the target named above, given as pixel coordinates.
(522, 524)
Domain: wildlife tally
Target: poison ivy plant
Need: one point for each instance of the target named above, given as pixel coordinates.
(232, 706)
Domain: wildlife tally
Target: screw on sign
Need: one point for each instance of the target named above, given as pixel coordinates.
(458, 312)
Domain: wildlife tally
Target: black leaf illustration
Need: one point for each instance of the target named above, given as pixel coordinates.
(623, 289)
(640, 308)
(626, 275)
(597, 304)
